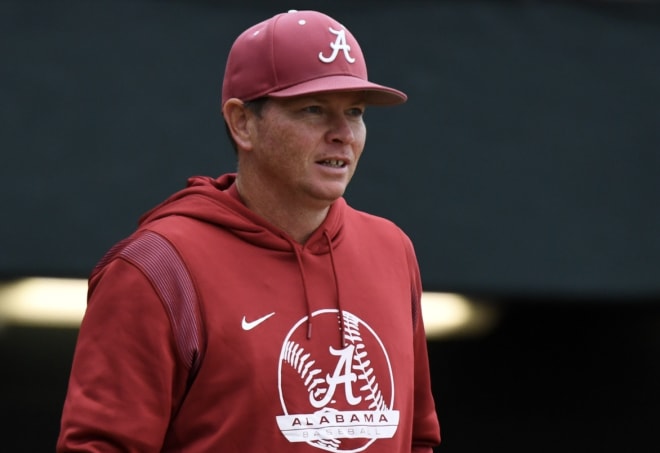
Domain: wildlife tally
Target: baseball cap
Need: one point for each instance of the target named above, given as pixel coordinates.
(297, 53)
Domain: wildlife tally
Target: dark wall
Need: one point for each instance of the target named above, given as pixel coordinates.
(526, 160)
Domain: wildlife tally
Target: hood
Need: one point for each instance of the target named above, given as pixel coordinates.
(216, 201)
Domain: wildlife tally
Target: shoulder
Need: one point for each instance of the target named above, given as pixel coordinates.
(373, 227)
(361, 219)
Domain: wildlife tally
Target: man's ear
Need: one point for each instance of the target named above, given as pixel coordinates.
(237, 117)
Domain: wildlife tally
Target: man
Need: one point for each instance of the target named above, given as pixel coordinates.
(258, 312)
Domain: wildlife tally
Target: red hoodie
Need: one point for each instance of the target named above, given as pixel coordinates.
(292, 348)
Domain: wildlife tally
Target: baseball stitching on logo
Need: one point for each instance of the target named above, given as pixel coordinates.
(296, 357)
(363, 364)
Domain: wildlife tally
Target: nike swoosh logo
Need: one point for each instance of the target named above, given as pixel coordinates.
(249, 325)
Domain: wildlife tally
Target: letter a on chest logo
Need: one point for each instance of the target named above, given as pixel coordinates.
(339, 44)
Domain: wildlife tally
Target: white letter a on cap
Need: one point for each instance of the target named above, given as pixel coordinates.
(339, 44)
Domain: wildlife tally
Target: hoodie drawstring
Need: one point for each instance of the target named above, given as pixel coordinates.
(340, 314)
(305, 292)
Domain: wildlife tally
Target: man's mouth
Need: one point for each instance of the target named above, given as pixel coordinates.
(335, 163)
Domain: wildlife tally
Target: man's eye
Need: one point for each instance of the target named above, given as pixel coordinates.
(312, 109)
(356, 112)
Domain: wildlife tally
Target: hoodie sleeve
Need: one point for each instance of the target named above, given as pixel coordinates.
(124, 376)
(426, 428)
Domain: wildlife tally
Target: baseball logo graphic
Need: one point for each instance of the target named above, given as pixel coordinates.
(336, 398)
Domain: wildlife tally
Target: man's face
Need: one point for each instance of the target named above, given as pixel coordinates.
(307, 148)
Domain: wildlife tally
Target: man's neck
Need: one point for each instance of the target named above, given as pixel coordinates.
(297, 221)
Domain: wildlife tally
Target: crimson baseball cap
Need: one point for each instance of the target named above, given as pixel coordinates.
(296, 53)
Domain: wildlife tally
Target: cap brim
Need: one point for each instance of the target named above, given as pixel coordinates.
(374, 94)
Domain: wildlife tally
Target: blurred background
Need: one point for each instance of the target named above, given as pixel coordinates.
(525, 167)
